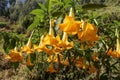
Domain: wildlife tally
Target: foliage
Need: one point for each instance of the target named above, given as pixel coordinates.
(3, 24)
(73, 48)
(10, 40)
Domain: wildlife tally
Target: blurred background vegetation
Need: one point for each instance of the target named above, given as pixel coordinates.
(19, 17)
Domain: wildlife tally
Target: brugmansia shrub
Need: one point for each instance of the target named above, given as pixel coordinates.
(73, 53)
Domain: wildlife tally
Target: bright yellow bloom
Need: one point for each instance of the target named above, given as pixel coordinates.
(28, 62)
(88, 32)
(47, 50)
(37, 48)
(40, 46)
(64, 42)
(51, 44)
(57, 48)
(69, 24)
(28, 48)
(51, 69)
(14, 56)
(48, 43)
(43, 47)
(54, 58)
(49, 40)
(115, 53)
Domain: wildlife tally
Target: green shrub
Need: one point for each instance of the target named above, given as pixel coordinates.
(3, 24)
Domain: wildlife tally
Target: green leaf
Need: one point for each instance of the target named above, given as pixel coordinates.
(42, 6)
(48, 4)
(35, 23)
(117, 22)
(37, 12)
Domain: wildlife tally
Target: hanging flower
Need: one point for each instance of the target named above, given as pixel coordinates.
(49, 40)
(88, 32)
(40, 46)
(28, 62)
(48, 50)
(44, 46)
(51, 69)
(57, 48)
(69, 24)
(115, 53)
(14, 56)
(28, 47)
(54, 58)
(64, 43)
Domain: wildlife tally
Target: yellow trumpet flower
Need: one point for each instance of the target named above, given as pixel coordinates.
(57, 48)
(54, 58)
(115, 53)
(69, 24)
(28, 47)
(28, 62)
(39, 47)
(88, 32)
(64, 42)
(51, 69)
(50, 39)
(14, 56)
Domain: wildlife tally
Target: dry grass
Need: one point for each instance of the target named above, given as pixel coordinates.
(8, 73)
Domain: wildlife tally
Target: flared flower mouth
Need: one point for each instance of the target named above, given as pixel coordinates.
(88, 32)
(14, 56)
(64, 43)
(69, 24)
